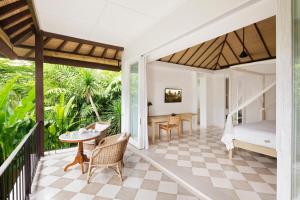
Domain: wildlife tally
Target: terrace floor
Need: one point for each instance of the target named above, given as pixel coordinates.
(191, 167)
(201, 162)
(141, 180)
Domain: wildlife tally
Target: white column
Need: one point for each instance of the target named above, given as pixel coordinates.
(284, 98)
(203, 102)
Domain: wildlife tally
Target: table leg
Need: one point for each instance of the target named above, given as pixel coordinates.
(153, 132)
(80, 158)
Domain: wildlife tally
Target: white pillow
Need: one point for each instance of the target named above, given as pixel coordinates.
(100, 127)
(122, 136)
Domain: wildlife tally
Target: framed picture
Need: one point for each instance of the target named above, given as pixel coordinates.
(173, 95)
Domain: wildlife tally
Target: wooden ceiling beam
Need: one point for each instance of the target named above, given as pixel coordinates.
(62, 45)
(14, 18)
(18, 26)
(92, 51)
(224, 59)
(222, 47)
(205, 51)
(216, 48)
(77, 49)
(7, 50)
(116, 53)
(73, 39)
(241, 42)
(236, 57)
(182, 55)
(33, 15)
(21, 37)
(171, 57)
(199, 47)
(207, 66)
(103, 53)
(74, 56)
(45, 42)
(12, 7)
(262, 39)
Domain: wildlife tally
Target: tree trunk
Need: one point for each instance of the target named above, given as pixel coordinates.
(94, 108)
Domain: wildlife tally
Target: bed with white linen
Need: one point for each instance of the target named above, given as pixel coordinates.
(259, 137)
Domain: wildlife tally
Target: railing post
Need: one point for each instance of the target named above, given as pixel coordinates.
(39, 91)
(27, 169)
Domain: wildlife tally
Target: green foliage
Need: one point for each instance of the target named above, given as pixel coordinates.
(73, 99)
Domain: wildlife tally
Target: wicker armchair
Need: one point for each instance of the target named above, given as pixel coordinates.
(109, 154)
(90, 145)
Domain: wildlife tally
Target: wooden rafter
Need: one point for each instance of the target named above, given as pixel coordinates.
(205, 51)
(213, 51)
(33, 14)
(222, 48)
(199, 47)
(216, 56)
(171, 57)
(77, 49)
(14, 18)
(262, 39)
(236, 57)
(77, 40)
(103, 53)
(116, 53)
(241, 42)
(18, 26)
(62, 45)
(46, 41)
(21, 37)
(224, 58)
(12, 7)
(182, 55)
(92, 51)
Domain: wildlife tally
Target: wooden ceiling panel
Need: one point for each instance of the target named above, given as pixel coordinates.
(267, 28)
(69, 46)
(190, 52)
(177, 56)
(99, 51)
(85, 49)
(224, 51)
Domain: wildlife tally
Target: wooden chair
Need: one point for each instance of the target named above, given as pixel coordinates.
(90, 145)
(109, 154)
(173, 123)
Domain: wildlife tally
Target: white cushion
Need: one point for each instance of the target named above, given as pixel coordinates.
(122, 136)
(100, 127)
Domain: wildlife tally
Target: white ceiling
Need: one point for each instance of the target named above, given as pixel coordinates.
(116, 22)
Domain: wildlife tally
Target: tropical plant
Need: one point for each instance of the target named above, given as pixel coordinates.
(88, 87)
(113, 114)
(14, 123)
(63, 120)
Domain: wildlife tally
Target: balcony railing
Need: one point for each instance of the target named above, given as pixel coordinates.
(18, 170)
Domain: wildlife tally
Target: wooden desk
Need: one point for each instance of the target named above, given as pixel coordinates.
(153, 120)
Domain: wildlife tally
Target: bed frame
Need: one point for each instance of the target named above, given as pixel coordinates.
(253, 147)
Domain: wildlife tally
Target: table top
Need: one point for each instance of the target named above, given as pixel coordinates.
(76, 136)
(165, 117)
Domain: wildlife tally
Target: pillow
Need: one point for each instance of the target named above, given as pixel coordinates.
(122, 136)
(100, 127)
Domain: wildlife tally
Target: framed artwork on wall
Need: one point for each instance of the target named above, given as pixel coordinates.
(173, 95)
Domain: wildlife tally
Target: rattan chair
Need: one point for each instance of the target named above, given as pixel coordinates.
(90, 145)
(109, 154)
(173, 123)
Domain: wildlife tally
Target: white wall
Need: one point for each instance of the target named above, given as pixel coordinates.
(161, 76)
(216, 100)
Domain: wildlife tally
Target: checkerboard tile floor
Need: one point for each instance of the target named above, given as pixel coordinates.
(141, 180)
(247, 176)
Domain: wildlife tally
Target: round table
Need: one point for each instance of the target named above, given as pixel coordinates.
(79, 137)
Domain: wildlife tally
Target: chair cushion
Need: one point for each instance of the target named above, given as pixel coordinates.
(101, 127)
(122, 136)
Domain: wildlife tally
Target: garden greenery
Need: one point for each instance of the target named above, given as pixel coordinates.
(73, 98)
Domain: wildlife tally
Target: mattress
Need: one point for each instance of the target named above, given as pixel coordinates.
(260, 133)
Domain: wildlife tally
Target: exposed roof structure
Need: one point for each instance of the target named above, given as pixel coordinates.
(19, 26)
(224, 51)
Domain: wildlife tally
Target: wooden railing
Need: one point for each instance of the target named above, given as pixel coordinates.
(18, 170)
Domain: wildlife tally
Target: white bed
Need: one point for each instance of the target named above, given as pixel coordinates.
(259, 137)
(261, 133)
